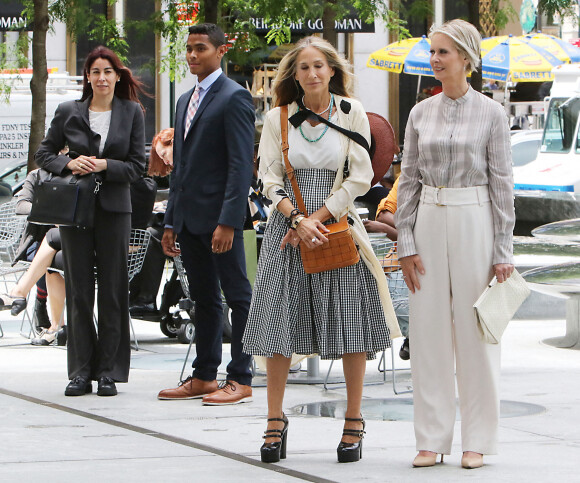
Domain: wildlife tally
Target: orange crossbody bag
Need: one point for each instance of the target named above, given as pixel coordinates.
(340, 251)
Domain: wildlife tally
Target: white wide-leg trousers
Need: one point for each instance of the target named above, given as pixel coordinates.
(455, 243)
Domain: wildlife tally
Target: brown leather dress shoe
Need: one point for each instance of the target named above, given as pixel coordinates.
(191, 388)
(230, 392)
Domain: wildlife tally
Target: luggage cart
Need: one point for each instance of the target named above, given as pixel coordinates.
(386, 252)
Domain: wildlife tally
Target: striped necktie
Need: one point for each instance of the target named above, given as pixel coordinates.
(191, 110)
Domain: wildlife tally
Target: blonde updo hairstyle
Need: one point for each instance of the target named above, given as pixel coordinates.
(286, 87)
(466, 39)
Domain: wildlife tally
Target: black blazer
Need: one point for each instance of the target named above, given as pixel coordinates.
(212, 167)
(124, 149)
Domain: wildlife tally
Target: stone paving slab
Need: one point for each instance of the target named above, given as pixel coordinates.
(46, 436)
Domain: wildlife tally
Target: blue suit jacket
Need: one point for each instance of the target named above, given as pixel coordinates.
(213, 165)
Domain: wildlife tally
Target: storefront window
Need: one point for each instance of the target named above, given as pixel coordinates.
(141, 55)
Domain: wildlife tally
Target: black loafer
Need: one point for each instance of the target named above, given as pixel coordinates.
(106, 387)
(79, 386)
(405, 352)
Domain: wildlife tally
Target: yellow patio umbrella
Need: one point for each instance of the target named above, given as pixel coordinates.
(559, 48)
(489, 43)
(410, 56)
(509, 57)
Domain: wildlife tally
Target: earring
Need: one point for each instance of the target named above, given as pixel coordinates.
(118, 80)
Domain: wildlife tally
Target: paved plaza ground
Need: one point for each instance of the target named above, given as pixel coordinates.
(48, 437)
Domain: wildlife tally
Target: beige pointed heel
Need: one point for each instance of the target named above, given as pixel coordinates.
(471, 460)
(425, 460)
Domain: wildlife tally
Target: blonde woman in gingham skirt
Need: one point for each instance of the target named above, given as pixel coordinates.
(340, 314)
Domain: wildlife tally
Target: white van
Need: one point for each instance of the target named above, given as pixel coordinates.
(15, 112)
(548, 188)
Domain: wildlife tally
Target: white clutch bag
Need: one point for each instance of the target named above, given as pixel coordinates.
(497, 305)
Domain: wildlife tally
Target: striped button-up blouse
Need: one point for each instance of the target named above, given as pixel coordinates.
(458, 143)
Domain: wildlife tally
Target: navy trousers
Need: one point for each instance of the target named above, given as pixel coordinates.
(207, 272)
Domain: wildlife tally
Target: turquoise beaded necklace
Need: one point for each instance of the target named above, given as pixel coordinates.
(325, 129)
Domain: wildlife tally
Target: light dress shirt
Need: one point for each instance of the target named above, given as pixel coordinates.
(457, 144)
(205, 84)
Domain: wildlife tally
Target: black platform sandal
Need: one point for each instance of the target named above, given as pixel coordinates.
(351, 452)
(274, 452)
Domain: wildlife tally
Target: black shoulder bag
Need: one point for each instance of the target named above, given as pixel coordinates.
(67, 200)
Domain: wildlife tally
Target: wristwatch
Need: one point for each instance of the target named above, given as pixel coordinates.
(294, 222)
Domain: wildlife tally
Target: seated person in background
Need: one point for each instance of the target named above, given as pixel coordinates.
(385, 217)
(145, 285)
(378, 192)
(48, 256)
(385, 223)
(491, 85)
(29, 243)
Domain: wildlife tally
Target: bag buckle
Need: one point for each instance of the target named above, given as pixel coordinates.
(438, 190)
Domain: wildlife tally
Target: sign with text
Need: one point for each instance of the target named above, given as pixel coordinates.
(14, 139)
(349, 24)
(11, 17)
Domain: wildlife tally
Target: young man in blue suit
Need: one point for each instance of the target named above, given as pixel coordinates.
(213, 158)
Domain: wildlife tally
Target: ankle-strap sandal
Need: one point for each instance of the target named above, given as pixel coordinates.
(350, 452)
(274, 452)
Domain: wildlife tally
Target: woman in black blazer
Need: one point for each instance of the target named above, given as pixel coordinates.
(104, 132)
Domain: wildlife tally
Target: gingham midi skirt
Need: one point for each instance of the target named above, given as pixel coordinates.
(329, 313)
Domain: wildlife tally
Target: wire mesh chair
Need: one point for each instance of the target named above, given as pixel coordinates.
(138, 244)
(386, 252)
(11, 229)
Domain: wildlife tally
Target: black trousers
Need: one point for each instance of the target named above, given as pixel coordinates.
(206, 273)
(93, 354)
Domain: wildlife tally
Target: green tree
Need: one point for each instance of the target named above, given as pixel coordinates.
(39, 78)
(562, 8)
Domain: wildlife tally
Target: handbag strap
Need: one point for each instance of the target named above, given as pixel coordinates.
(289, 168)
(304, 113)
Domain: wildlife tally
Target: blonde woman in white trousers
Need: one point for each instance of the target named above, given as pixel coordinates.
(455, 222)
